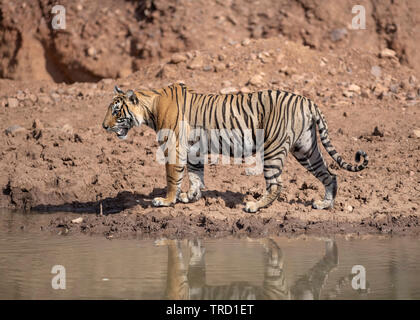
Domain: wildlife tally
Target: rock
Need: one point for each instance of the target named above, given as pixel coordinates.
(246, 42)
(411, 95)
(245, 90)
(348, 94)
(338, 34)
(394, 88)
(228, 90)
(207, 68)
(67, 128)
(377, 133)
(12, 102)
(376, 71)
(178, 57)
(417, 132)
(220, 67)
(196, 63)
(91, 52)
(55, 96)
(354, 88)
(20, 95)
(37, 124)
(77, 220)
(33, 98)
(387, 53)
(226, 83)
(168, 71)
(380, 90)
(349, 208)
(412, 80)
(256, 80)
(44, 100)
(107, 81)
(14, 129)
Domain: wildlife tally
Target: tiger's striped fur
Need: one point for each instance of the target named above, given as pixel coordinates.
(289, 122)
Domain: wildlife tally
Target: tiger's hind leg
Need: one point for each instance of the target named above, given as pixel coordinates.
(272, 170)
(306, 151)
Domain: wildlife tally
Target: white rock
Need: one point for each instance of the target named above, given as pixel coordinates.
(228, 90)
(77, 220)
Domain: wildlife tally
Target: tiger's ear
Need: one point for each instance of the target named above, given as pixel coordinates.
(132, 97)
(118, 90)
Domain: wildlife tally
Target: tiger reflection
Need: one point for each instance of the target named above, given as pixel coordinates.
(189, 282)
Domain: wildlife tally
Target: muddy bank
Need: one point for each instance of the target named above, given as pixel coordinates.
(181, 226)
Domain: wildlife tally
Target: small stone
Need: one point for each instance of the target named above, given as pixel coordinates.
(376, 71)
(411, 95)
(245, 90)
(220, 67)
(91, 52)
(221, 57)
(226, 83)
(387, 53)
(33, 98)
(338, 34)
(377, 133)
(20, 95)
(256, 80)
(107, 81)
(412, 80)
(196, 63)
(67, 128)
(246, 42)
(394, 88)
(178, 57)
(228, 90)
(348, 94)
(411, 173)
(354, 88)
(417, 132)
(207, 68)
(44, 100)
(12, 102)
(77, 220)
(14, 129)
(349, 208)
(37, 124)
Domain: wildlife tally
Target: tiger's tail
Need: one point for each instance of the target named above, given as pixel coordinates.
(323, 133)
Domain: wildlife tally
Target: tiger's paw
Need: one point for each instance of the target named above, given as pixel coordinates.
(183, 197)
(322, 204)
(162, 202)
(251, 207)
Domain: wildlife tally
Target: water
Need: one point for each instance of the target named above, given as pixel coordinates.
(275, 268)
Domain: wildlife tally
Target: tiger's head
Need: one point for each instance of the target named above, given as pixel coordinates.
(124, 112)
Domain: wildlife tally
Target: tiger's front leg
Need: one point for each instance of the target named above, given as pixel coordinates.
(174, 175)
(196, 177)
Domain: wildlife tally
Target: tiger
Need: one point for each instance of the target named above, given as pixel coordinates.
(186, 275)
(289, 123)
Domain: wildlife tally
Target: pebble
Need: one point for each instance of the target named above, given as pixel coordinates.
(338, 34)
(77, 220)
(178, 57)
(37, 124)
(91, 51)
(220, 67)
(376, 71)
(349, 208)
(207, 68)
(417, 132)
(387, 53)
(228, 90)
(196, 63)
(256, 80)
(245, 90)
(12, 102)
(20, 95)
(354, 88)
(246, 42)
(14, 129)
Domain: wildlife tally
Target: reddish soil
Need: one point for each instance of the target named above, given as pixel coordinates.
(55, 156)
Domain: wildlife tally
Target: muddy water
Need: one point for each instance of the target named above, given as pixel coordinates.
(274, 268)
